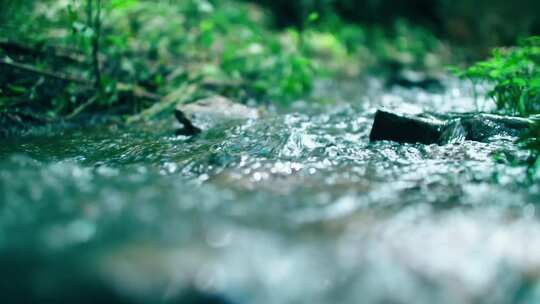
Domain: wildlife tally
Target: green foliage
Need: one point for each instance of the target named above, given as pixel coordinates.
(161, 45)
(150, 48)
(352, 48)
(515, 76)
(218, 42)
(479, 24)
(409, 45)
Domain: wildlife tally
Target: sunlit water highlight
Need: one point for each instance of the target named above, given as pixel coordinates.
(295, 207)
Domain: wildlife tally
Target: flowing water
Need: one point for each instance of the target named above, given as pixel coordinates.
(295, 207)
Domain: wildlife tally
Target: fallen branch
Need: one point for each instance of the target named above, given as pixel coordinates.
(217, 85)
(42, 51)
(136, 90)
(167, 103)
(82, 107)
(50, 74)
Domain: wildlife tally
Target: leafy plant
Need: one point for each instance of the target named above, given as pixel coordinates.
(132, 54)
(515, 76)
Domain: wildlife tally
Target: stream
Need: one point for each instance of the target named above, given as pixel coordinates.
(295, 207)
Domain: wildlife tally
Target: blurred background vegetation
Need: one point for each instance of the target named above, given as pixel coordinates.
(137, 59)
(479, 24)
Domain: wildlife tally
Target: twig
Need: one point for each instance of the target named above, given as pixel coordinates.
(138, 91)
(36, 50)
(82, 107)
(50, 74)
(178, 96)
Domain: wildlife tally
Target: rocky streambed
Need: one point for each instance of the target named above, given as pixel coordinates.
(291, 207)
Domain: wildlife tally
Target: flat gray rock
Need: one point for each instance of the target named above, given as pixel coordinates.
(218, 108)
(204, 113)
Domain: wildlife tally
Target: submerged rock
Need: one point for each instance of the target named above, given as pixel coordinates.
(404, 128)
(210, 110)
(481, 127)
(442, 129)
(414, 79)
(398, 74)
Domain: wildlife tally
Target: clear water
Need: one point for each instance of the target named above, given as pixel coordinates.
(295, 207)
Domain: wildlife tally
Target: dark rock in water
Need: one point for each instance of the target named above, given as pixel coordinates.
(481, 127)
(398, 74)
(404, 128)
(189, 129)
(412, 79)
(442, 129)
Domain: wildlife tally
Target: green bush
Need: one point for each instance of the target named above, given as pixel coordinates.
(217, 42)
(160, 46)
(514, 74)
(218, 46)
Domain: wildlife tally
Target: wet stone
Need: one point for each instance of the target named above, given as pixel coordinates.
(403, 128)
(204, 113)
(448, 128)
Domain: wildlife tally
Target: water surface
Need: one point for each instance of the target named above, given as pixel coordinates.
(295, 207)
